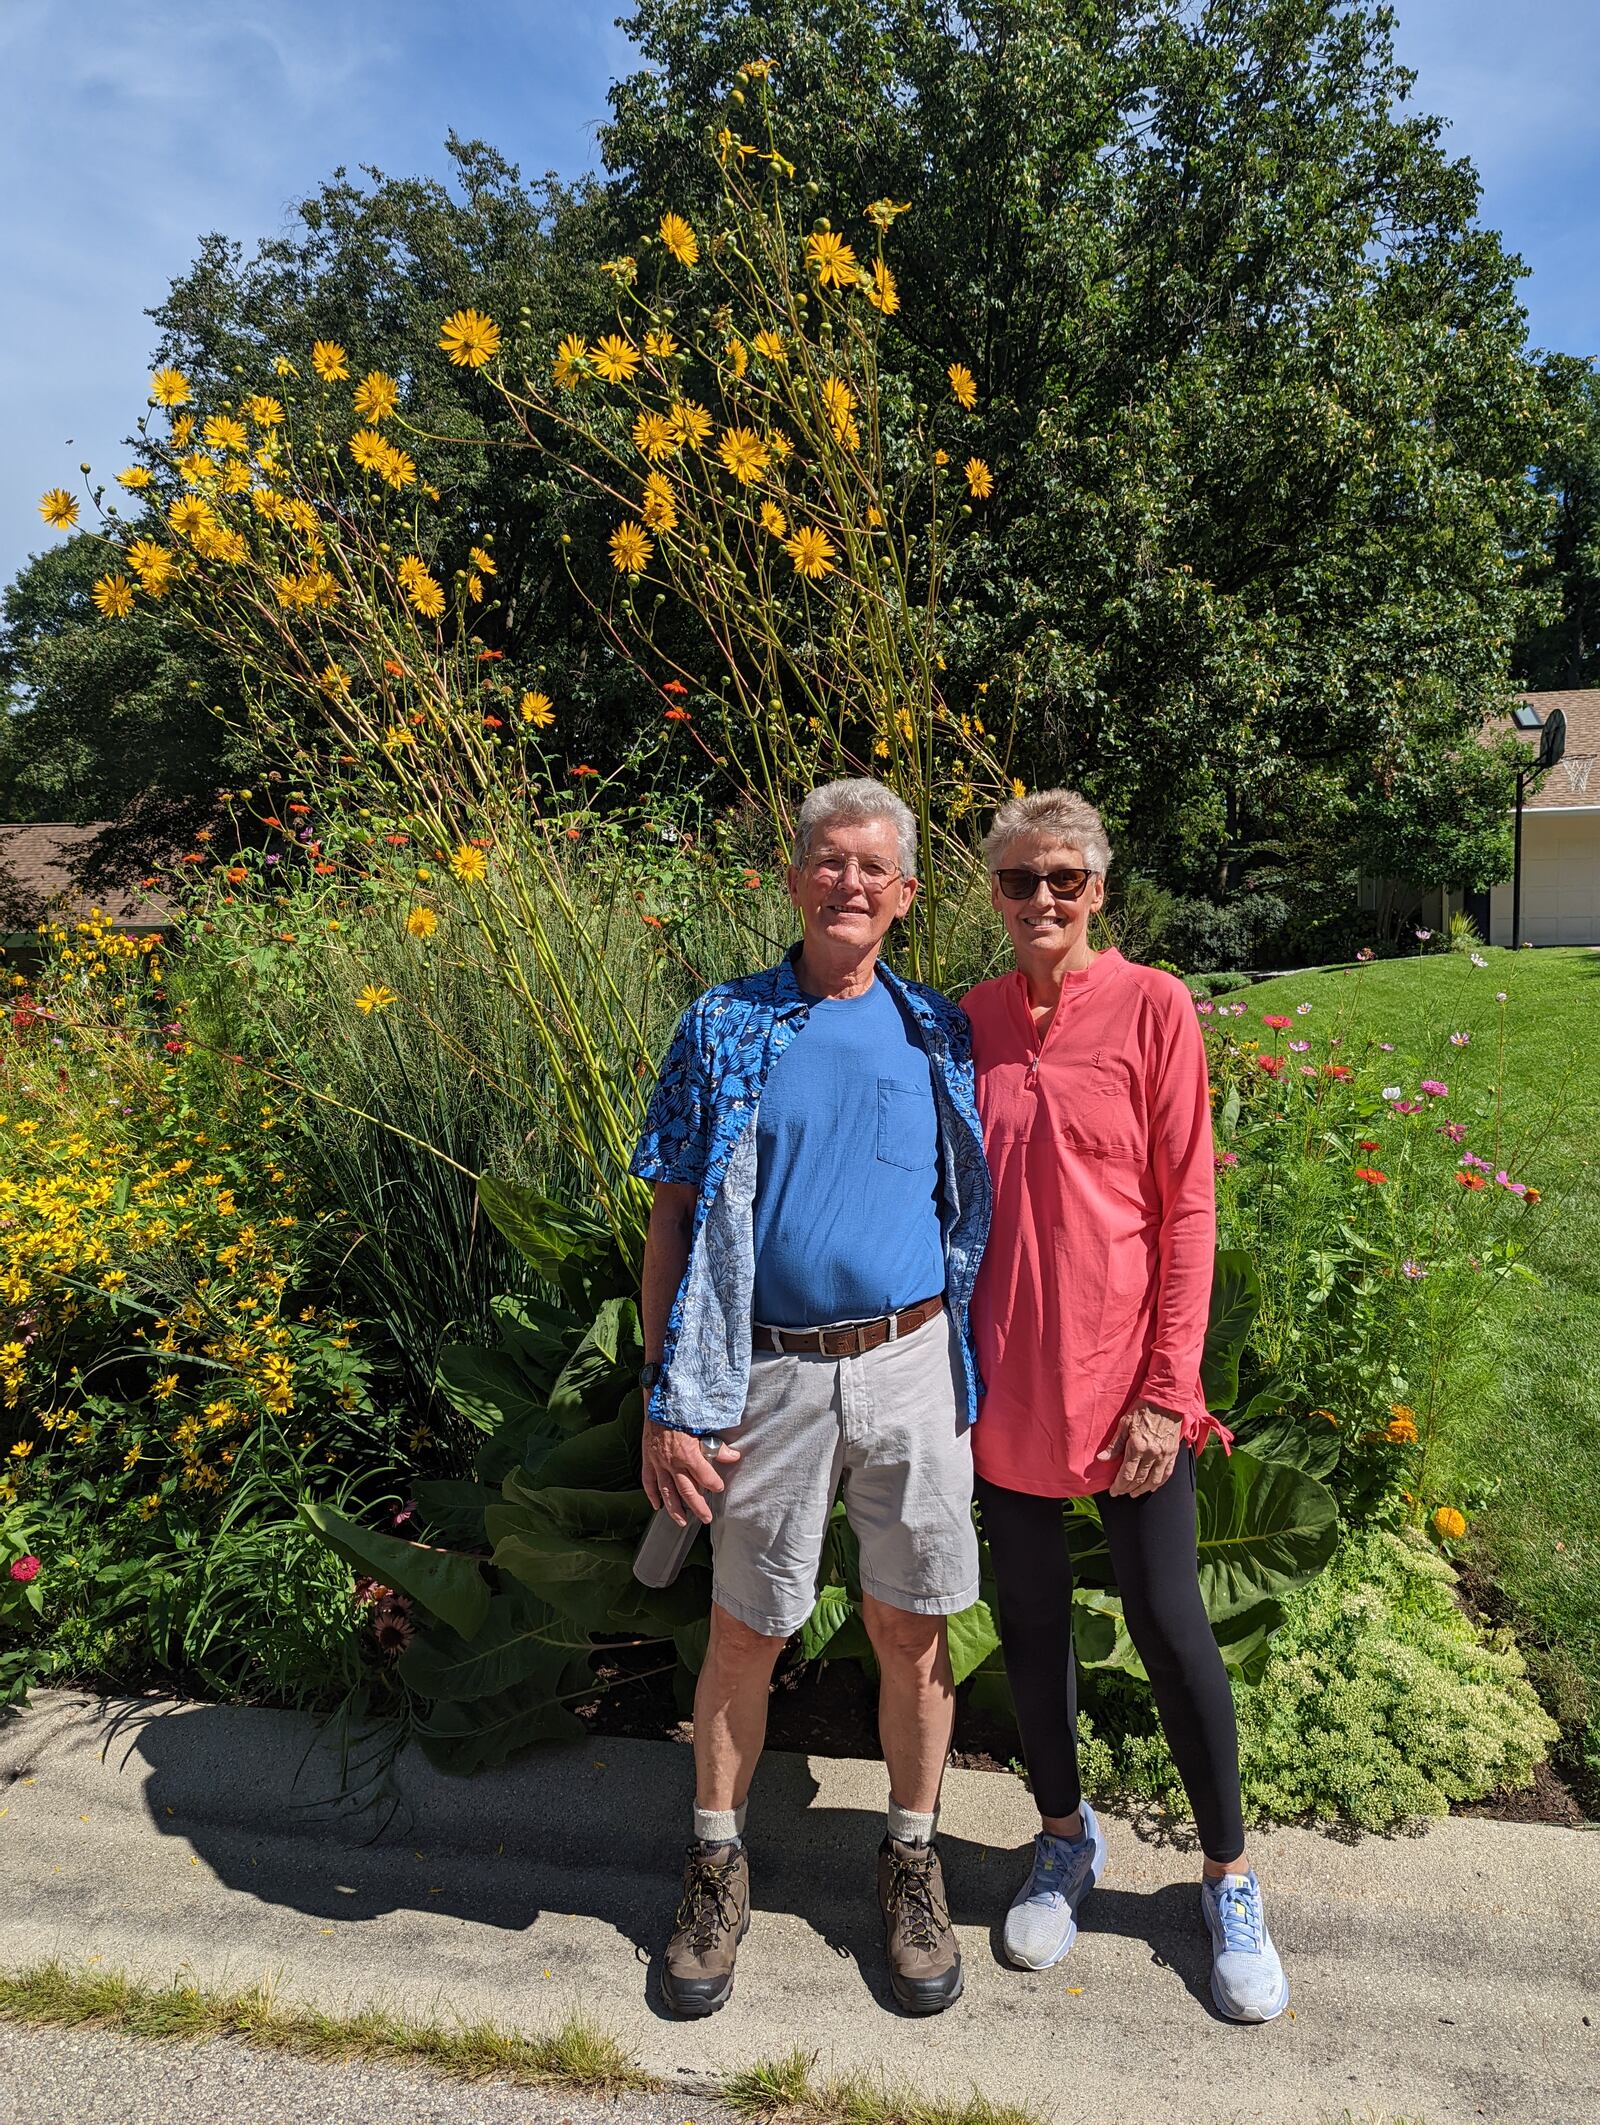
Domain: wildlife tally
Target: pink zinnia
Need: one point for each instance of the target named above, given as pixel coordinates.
(25, 1570)
(1277, 1024)
(1434, 1089)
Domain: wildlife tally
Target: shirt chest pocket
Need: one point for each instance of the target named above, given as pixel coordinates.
(1093, 1106)
(908, 1129)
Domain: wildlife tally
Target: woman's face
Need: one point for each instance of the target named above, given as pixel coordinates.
(1043, 926)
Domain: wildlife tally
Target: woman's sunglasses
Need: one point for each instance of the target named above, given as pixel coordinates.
(1022, 885)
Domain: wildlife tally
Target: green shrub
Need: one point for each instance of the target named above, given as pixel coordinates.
(1380, 1701)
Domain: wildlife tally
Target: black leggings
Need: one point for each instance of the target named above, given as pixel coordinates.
(1152, 1545)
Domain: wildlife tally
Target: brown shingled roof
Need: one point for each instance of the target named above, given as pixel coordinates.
(37, 880)
(1574, 781)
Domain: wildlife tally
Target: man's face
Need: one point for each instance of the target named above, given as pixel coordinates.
(850, 887)
(1042, 923)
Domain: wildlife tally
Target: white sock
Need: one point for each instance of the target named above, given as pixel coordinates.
(906, 1827)
(719, 1826)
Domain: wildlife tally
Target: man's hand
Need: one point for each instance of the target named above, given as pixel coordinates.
(678, 1472)
(1148, 1440)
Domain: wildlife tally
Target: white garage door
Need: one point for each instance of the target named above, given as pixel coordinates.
(1560, 880)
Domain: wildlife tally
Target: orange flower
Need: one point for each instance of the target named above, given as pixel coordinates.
(676, 715)
(580, 772)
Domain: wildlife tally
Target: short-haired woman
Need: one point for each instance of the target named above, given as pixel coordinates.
(1090, 1315)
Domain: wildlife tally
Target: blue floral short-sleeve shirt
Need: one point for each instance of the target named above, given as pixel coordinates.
(700, 1132)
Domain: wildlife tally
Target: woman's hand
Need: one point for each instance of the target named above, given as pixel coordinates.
(677, 1472)
(1148, 1439)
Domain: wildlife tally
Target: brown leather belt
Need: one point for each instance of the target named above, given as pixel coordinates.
(855, 1340)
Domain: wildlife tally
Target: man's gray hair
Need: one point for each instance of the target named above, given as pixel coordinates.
(852, 801)
(1060, 814)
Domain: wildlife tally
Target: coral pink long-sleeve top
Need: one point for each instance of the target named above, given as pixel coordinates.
(1096, 1284)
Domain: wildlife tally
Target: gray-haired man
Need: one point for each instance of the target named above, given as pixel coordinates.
(821, 1204)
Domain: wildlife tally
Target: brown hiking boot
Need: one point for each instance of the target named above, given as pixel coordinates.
(713, 1917)
(924, 1959)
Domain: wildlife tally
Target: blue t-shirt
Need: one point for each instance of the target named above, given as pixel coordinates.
(847, 1146)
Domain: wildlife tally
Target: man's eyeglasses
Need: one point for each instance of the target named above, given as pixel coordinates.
(829, 869)
(1063, 885)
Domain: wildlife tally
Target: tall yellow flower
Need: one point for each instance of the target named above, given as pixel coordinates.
(133, 477)
(421, 922)
(615, 358)
(396, 467)
(376, 396)
(652, 434)
(481, 561)
(882, 292)
(191, 518)
(367, 447)
(572, 357)
(58, 509)
(266, 412)
(832, 260)
(812, 551)
(535, 708)
(980, 480)
(152, 563)
(691, 423)
(330, 361)
(198, 467)
(680, 239)
(469, 338)
(169, 387)
(659, 344)
(770, 346)
(658, 505)
(738, 357)
(963, 385)
(773, 519)
(423, 594)
(181, 431)
(113, 596)
(470, 865)
(744, 453)
(223, 432)
(375, 997)
(630, 549)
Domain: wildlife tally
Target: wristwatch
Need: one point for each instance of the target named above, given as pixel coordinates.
(650, 1374)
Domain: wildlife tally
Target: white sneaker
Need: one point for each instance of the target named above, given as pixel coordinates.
(1247, 1980)
(1042, 1923)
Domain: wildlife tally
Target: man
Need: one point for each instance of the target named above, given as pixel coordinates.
(821, 1203)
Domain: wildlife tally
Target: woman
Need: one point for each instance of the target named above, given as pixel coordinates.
(1090, 1314)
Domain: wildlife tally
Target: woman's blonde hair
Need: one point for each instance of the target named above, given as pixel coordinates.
(1062, 814)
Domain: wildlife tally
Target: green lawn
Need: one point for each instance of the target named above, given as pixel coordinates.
(1528, 1414)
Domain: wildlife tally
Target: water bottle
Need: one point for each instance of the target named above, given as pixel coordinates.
(664, 1545)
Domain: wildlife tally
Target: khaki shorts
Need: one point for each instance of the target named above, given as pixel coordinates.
(889, 1429)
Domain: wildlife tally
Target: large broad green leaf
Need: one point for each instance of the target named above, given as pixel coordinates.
(602, 1368)
(453, 1507)
(488, 1388)
(1310, 1443)
(1100, 1633)
(602, 1457)
(567, 1247)
(537, 1337)
(461, 1737)
(828, 1617)
(1244, 1639)
(1235, 1302)
(522, 1643)
(599, 1591)
(692, 1641)
(1265, 1528)
(973, 1638)
(584, 1515)
(446, 1585)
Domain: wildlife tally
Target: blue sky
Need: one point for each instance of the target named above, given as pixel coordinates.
(126, 131)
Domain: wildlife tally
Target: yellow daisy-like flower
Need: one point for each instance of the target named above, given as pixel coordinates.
(884, 212)
(757, 69)
(264, 411)
(395, 467)
(963, 385)
(397, 739)
(1019, 788)
(881, 290)
(113, 596)
(691, 423)
(223, 544)
(624, 270)
(421, 922)
(134, 477)
(375, 997)
(812, 552)
(652, 434)
(235, 476)
(367, 447)
(146, 557)
(770, 346)
(376, 396)
(571, 362)
(615, 358)
(475, 587)
(838, 400)
(782, 448)
(832, 260)
(535, 708)
(191, 518)
(181, 431)
(469, 338)
(330, 361)
(223, 432)
(58, 509)
(658, 506)
(773, 519)
(738, 357)
(198, 468)
(980, 480)
(22, 1449)
(630, 549)
(169, 387)
(659, 344)
(481, 561)
(334, 680)
(680, 239)
(744, 453)
(881, 750)
(470, 865)
(425, 596)
(266, 502)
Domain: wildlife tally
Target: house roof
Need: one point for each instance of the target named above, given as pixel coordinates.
(1574, 782)
(36, 880)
